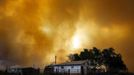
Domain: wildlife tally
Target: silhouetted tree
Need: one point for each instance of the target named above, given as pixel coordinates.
(77, 57)
(113, 60)
(71, 57)
(108, 57)
(84, 54)
(96, 53)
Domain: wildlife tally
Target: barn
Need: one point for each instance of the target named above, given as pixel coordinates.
(71, 68)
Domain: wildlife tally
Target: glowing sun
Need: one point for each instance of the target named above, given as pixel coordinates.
(76, 43)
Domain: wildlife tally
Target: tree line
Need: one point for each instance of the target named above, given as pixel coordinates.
(108, 57)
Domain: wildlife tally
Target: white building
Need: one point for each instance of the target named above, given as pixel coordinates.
(73, 68)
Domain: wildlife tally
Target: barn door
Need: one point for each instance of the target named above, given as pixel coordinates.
(82, 70)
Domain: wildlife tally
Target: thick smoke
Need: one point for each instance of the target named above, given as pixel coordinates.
(34, 31)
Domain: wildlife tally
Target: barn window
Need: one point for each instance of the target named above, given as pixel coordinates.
(72, 66)
(62, 67)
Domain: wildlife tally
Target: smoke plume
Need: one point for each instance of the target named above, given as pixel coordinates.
(34, 31)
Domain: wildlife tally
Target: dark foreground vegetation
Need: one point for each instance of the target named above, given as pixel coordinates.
(94, 74)
(5, 73)
(25, 73)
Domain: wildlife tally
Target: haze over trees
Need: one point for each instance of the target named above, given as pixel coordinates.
(108, 57)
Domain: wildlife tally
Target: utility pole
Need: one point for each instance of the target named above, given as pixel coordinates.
(55, 59)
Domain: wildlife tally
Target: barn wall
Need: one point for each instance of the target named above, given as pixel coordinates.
(67, 69)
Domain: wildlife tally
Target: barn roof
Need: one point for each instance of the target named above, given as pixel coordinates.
(72, 63)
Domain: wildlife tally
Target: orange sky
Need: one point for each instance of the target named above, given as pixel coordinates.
(34, 31)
